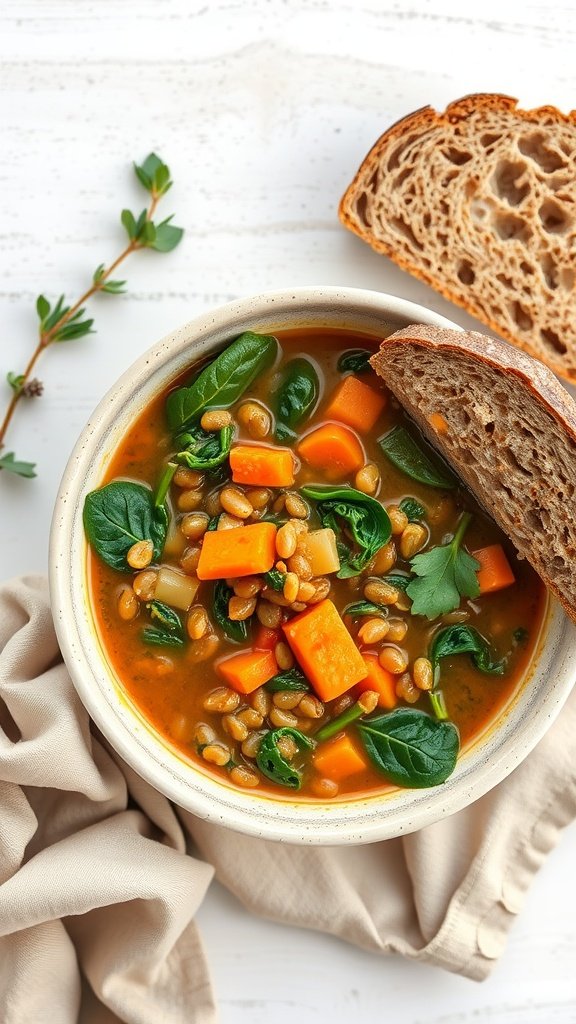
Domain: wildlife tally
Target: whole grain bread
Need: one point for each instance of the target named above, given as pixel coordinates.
(509, 432)
(480, 203)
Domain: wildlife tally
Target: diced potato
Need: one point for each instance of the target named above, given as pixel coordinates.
(175, 542)
(322, 551)
(175, 589)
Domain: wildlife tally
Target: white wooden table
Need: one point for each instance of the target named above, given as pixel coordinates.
(263, 110)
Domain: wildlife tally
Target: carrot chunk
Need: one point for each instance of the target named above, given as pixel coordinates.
(325, 650)
(262, 466)
(494, 572)
(334, 449)
(356, 404)
(248, 670)
(339, 758)
(240, 552)
(380, 680)
(265, 639)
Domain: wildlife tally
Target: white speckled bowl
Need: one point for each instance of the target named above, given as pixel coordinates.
(496, 753)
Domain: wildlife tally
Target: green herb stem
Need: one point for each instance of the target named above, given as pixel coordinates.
(462, 527)
(164, 485)
(337, 724)
(438, 705)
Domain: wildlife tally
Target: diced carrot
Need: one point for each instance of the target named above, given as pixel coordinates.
(339, 758)
(261, 465)
(494, 572)
(248, 670)
(265, 639)
(438, 422)
(332, 448)
(325, 650)
(380, 680)
(356, 404)
(240, 552)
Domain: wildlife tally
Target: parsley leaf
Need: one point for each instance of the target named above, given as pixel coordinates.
(445, 575)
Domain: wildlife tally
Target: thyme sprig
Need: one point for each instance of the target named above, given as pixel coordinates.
(62, 321)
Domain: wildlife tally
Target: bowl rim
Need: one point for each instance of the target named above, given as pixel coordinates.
(361, 820)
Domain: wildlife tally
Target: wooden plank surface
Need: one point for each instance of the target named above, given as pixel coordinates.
(263, 110)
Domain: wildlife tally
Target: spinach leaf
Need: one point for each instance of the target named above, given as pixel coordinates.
(411, 748)
(396, 579)
(445, 575)
(274, 579)
(223, 381)
(169, 632)
(292, 679)
(461, 639)
(221, 594)
(118, 515)
(365, 517)
(407, 455)
(412, 509)
(213, 523)
(273, 765)
(296, 397)
(156, 636)
(366, 608)
(355, 360)
(206, 450)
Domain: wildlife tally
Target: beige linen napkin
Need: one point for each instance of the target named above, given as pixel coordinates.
(98, 892)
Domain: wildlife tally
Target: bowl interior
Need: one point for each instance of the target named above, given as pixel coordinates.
(492, 756)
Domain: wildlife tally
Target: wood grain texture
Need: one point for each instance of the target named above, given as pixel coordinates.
(264, 109)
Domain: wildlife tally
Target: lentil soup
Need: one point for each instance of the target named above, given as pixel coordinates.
(293, 590)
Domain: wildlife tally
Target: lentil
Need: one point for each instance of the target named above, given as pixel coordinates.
(194, 525)
(394, 660)
(215, 419)
(140, 554)
(380, 592)
(222, 700)
(128, 604)
(373, 631)
(412, 540)
(197, 624)
(367, 479)
(144, 584)
(216, 753)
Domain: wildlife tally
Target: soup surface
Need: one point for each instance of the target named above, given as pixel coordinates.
(292, 588)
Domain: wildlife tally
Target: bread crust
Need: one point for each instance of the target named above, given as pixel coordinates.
(537, 380)
(419, 122)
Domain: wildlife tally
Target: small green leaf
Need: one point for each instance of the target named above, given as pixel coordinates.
(234, 630)
(409, 456)
(25, 469)
(143, 178)
(154, 175)
(71, 331)
(396, 579)
(98, 273)
(57, 313)
(161, 181)
(356, 360)
(462, 639)
(158, 637)
(293, 679)
(275, 579)
(167, 236)
(412, 509)
(114, 287)
(166, 616)
(365, 518)
(206, 451)
(15, 380)
(42, 308)
(127, 218)
(444, 574)
(410, 748)
(271, 762)
(148, 233)
(360, 608)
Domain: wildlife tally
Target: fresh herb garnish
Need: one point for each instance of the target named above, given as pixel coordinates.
(352, 714)
(167, 630)
(165, 615)
(237, 631)
(118, 515)
(292, 679)
(156, 636)
(462, 639)
(275, 579)
(356, 360)
(273, 765)
(296, 397)
(445, 575)
(412, 509)
(67, 322)
(408, 456)
(223, 381)
(365, 517)
(410, 748)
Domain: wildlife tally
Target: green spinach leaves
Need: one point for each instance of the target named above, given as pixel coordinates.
(167, 630)
(364, 517)
(408, 456)
(462, 639)
(118, 515)
(292, 679)
(296, 397)
(223, 381)
(205, 451)
(355, 360)
(410, 748)
(271, 762)
(237, 631)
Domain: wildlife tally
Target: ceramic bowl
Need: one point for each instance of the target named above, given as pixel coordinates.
(488, 760)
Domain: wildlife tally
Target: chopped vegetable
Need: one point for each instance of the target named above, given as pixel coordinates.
(234, 630)
(241, 552)
(410, 748)
(271, 762)
(438, 422)
(360, 608)
(355, 360)
(411, 459)
(248, 670)
(445, 575)
(494, 572)
(462, 639)
(293, 679)
(339, 758)
(379, 680)
(365, 517)
(205, 451)
(167, 631)
(118, 515)
(333, 449)
(322, 551)
(296, 397)
(325, 650)
(356, 404)
(262, 465)
(412, 509)
(275, 579)
(175, 589)
(265, 639)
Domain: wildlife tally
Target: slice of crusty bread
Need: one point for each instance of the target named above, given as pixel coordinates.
(510, 435)
(480, 203)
